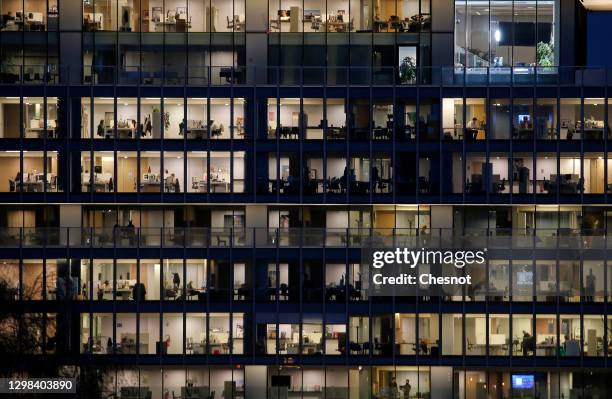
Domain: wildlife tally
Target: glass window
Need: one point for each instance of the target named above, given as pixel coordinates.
(452, 118)
(39, 122)
(149, 339)
(9, 107)
(523, 119)
(522, 280)
(593, 124)
(570, 119)
(452, 340)
(546, 280)
(151, 118)
(593, 179)
(174, 164)
(220, 118)
(499, 335)
(104, 172)
(150, 270)
(32, 279)
(592, 279)
(593, 341)
(546, 118)
(505, 33)
(523, 340)
(500, 118)
(570, 335)
(546, 335)
(173, 333)
(475, 335)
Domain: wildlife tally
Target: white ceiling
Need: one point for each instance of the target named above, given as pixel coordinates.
(598, 5)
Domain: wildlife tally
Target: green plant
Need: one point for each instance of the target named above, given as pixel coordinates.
(407, 70)
(545, 54)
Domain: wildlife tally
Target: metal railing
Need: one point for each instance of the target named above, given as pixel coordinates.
(222, 75)
(308, 237)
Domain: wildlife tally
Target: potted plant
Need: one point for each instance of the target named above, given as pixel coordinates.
(545, 55)
(407, 70)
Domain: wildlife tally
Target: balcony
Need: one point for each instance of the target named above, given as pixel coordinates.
(225, 75)
(309, 237)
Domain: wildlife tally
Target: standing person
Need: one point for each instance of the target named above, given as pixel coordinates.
(375, 178)
(131, 229)
(393, 392)
(406, 388)
(176, 281)
(590, 286)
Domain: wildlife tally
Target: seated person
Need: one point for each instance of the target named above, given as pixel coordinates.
(525, 123)
(139, 292)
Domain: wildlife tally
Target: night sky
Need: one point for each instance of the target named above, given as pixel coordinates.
(599, 50)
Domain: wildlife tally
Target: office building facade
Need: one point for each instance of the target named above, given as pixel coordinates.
(187, 187)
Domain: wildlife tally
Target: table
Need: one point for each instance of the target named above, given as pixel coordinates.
(122, 133)
(197, 133)
(39, 133)
(150, 187)
(98, 186)
(30, 186)
(217, 186)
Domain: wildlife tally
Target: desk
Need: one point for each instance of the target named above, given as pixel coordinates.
(196, 348)
(218, 348)
(150, 187)
(39, 133)
(122, 133)
(546, 349)
(217, 186)
(199, 186)
(197, 133)
(177, 26)
(232, 75)
(30, 186)
(336, 133)
(195, 392)
(593, 134)
(336, 26)
(98, 186)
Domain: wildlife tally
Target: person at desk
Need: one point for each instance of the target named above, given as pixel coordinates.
(9, 17)
(525, 124)
(139, 292)
(472, 129)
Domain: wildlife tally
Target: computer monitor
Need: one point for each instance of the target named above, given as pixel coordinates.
(523, 381)
(280, 380)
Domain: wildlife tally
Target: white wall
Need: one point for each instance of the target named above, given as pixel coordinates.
(336, 219)
(335, 115)
(335, 167)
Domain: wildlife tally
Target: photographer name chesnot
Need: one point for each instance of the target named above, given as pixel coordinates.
(423, 279)
(411, 258)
